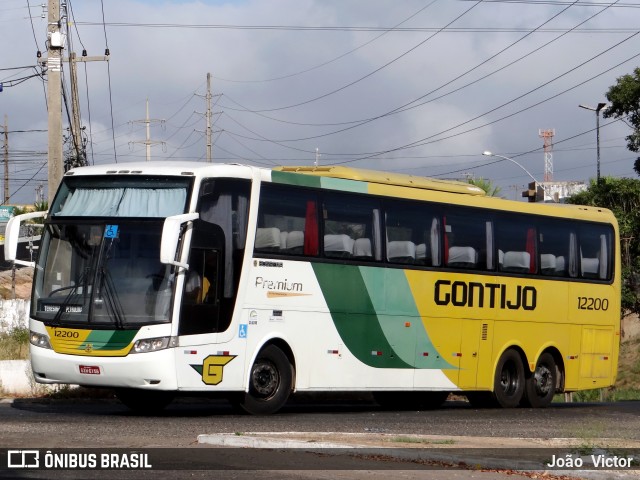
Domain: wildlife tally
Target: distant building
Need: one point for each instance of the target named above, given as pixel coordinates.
(553, 192)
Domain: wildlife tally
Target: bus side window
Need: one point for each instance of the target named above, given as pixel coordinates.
(287, 221)
(595, 252)
(412, 237)
(516, 243)
(465, 240)
(351, 225)
(554, 245)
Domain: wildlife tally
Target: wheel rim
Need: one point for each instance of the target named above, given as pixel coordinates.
(265, 379)
(543, 380)
(509, 380)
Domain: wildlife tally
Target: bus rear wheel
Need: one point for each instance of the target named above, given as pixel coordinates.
(540, 387)
(144, 401)
(509, 380)
(270, 382)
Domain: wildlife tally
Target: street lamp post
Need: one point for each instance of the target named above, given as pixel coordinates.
(490, 154)
(601, 106)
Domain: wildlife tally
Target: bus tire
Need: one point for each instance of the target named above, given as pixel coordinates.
(270, 382)
(509, 380)
(540, 386)
(144, 401)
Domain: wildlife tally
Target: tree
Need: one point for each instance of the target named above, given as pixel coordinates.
(622, 197)
(624, 99)
(486, 185)
(39, 206)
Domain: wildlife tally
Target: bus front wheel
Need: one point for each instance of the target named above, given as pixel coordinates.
(270, 382)
(540, 387)
(509, 380)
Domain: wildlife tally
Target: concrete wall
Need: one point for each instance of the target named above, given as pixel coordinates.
(14, 313)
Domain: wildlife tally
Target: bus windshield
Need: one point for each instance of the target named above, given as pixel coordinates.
(100, 252)
(103, 275)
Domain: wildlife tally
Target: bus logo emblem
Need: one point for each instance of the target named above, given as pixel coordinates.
(212, 368)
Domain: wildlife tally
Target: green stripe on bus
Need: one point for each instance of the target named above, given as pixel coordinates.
(399, 318)
(344, 185)
(295, 179)
(355, 317)
(314, 181)
(109, 339)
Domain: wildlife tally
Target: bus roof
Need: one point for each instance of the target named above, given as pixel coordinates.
(387, 178)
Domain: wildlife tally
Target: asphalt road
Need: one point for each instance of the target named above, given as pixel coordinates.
(100, 424)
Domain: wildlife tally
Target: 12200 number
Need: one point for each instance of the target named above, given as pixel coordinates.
(590, 303)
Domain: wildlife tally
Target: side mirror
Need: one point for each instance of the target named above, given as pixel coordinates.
(12, 235)
(171, 236)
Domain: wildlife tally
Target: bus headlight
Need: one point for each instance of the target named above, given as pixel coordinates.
(154, 344)
(39, 340)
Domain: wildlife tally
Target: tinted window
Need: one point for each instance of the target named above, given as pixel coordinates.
(351, 227)
(287, 221)
(412, 234)
(467, 240)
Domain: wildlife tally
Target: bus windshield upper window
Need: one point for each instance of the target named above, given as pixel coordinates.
(88, 197)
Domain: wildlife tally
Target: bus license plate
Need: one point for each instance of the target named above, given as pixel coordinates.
(90, 370)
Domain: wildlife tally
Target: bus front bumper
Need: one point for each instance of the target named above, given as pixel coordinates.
(151, 370)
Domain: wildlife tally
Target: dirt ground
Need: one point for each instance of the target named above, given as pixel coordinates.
(22, 284)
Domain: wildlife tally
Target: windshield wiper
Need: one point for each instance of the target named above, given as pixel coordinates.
(112, 299)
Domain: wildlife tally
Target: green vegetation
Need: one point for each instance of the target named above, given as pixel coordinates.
(486, 185)
(624, 98)
(14, 345)
(622, 197)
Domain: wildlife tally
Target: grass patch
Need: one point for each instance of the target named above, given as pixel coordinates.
(14, 345)
(613, 394)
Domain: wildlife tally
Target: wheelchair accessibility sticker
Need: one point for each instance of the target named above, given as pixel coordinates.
(242, 330)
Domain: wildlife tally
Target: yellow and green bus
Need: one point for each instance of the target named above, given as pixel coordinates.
(158, 279)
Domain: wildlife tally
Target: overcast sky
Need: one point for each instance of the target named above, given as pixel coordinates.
(419, 87)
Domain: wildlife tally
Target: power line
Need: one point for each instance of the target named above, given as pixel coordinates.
(107, 52)
(408, 106)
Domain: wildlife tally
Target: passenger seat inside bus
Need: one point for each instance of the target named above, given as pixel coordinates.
(590, 267)
(338, 245)
(295, 242)
(267, 239)
(421, 253)
(516, 262)
(462, 257)
(401, 251)
(362, 249)
(548, 264)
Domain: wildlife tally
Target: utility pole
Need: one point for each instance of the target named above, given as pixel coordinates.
(55, 45)
(148, 142)
(80, 154)
(600, 107)
(208, 114)
(6, 161)
(78, 147)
